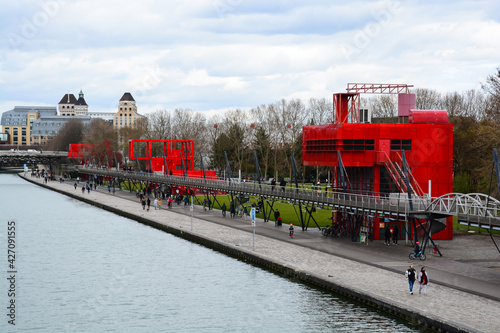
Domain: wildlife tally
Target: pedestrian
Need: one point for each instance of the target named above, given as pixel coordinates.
(83, 189)
(423, 279)
(283, 184)
(387, 234)
(143, 203)
(245, 212)
(411, 275)
(155, 203)
(232, 210)
(273, 184)
(148, 203)
(276, 216)
(223, 208)
(75, 185)
(395, 235)
(159, 203)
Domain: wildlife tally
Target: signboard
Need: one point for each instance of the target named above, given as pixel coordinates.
(252, 214)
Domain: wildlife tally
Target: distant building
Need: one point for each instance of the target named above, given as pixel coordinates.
(47, 127)
(127, 113)
(35, 125)
(70, 106)
(18, 122)
(106, 116)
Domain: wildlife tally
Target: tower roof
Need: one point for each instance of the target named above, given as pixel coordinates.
(127, 97)
(81, 101)
(68, 99)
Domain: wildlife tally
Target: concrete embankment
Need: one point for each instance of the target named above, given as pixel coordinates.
(310, 259)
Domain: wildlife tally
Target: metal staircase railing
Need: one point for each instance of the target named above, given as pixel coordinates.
(397, 175)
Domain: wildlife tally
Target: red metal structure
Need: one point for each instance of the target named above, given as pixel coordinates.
(371, 153)
(90, 154)
(176, 156)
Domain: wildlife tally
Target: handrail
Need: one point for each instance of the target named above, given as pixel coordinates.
(337, 200)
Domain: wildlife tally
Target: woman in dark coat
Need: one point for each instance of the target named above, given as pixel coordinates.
(387, 234)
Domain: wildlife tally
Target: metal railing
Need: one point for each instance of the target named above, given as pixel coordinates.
(467, 207)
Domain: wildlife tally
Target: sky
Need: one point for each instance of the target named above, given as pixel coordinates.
(214, 55)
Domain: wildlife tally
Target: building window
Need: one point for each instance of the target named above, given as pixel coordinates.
(400, 144)
(125, 103)
(358, 145)
(130, 109)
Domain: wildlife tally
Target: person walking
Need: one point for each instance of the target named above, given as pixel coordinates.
(223, 208)
(143, 203)
(273, 184)
(423, 279)
(232, 210)
(395, 235)
(387, 234)
(283, 184)
(276, 216)
(159, 203)
(148, 202)
(411, 275)
(155, 203)
(245, 212)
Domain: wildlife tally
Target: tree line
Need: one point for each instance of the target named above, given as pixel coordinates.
(272, 131)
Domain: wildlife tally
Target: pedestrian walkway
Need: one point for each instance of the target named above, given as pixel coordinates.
(462, 295)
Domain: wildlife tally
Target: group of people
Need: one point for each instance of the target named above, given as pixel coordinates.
(421, 277)
(391, 234)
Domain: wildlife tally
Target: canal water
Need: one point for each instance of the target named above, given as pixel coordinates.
(81, 269)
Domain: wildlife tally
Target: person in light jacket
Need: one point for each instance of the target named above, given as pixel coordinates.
(423, 279)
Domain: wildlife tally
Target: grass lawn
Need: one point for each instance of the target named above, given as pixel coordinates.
(288, 212)
(463, 228)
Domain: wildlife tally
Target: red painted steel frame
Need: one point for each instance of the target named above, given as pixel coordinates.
(173, 149)
(429, 153)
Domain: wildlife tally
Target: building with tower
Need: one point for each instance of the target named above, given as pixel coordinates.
(70, 106)
(127, 113)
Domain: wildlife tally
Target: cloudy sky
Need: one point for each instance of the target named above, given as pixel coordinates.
(215, 55)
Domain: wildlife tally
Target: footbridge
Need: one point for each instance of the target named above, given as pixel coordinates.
(31, 157)
(474, 209)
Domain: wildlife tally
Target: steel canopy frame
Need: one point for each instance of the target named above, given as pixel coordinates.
(378, 88)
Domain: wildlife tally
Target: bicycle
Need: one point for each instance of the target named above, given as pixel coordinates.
(419, 255)
(223, 213)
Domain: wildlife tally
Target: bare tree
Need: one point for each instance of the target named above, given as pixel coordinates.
(384, 107)
(262, 125)
(320, 111)
(129, 133)
(236, 127)
(71, 132)
(492, 88)
(103, 137)
(427, 99)
(190, 125)
(159, 125)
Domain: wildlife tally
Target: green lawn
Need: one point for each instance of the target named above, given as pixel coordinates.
(287, 212)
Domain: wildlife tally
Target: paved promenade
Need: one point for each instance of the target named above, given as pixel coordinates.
(464, 289)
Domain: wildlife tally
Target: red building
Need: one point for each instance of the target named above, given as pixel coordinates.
(371, 153)
(176, 156)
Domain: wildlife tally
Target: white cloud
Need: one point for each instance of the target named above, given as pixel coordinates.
(189, 54)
